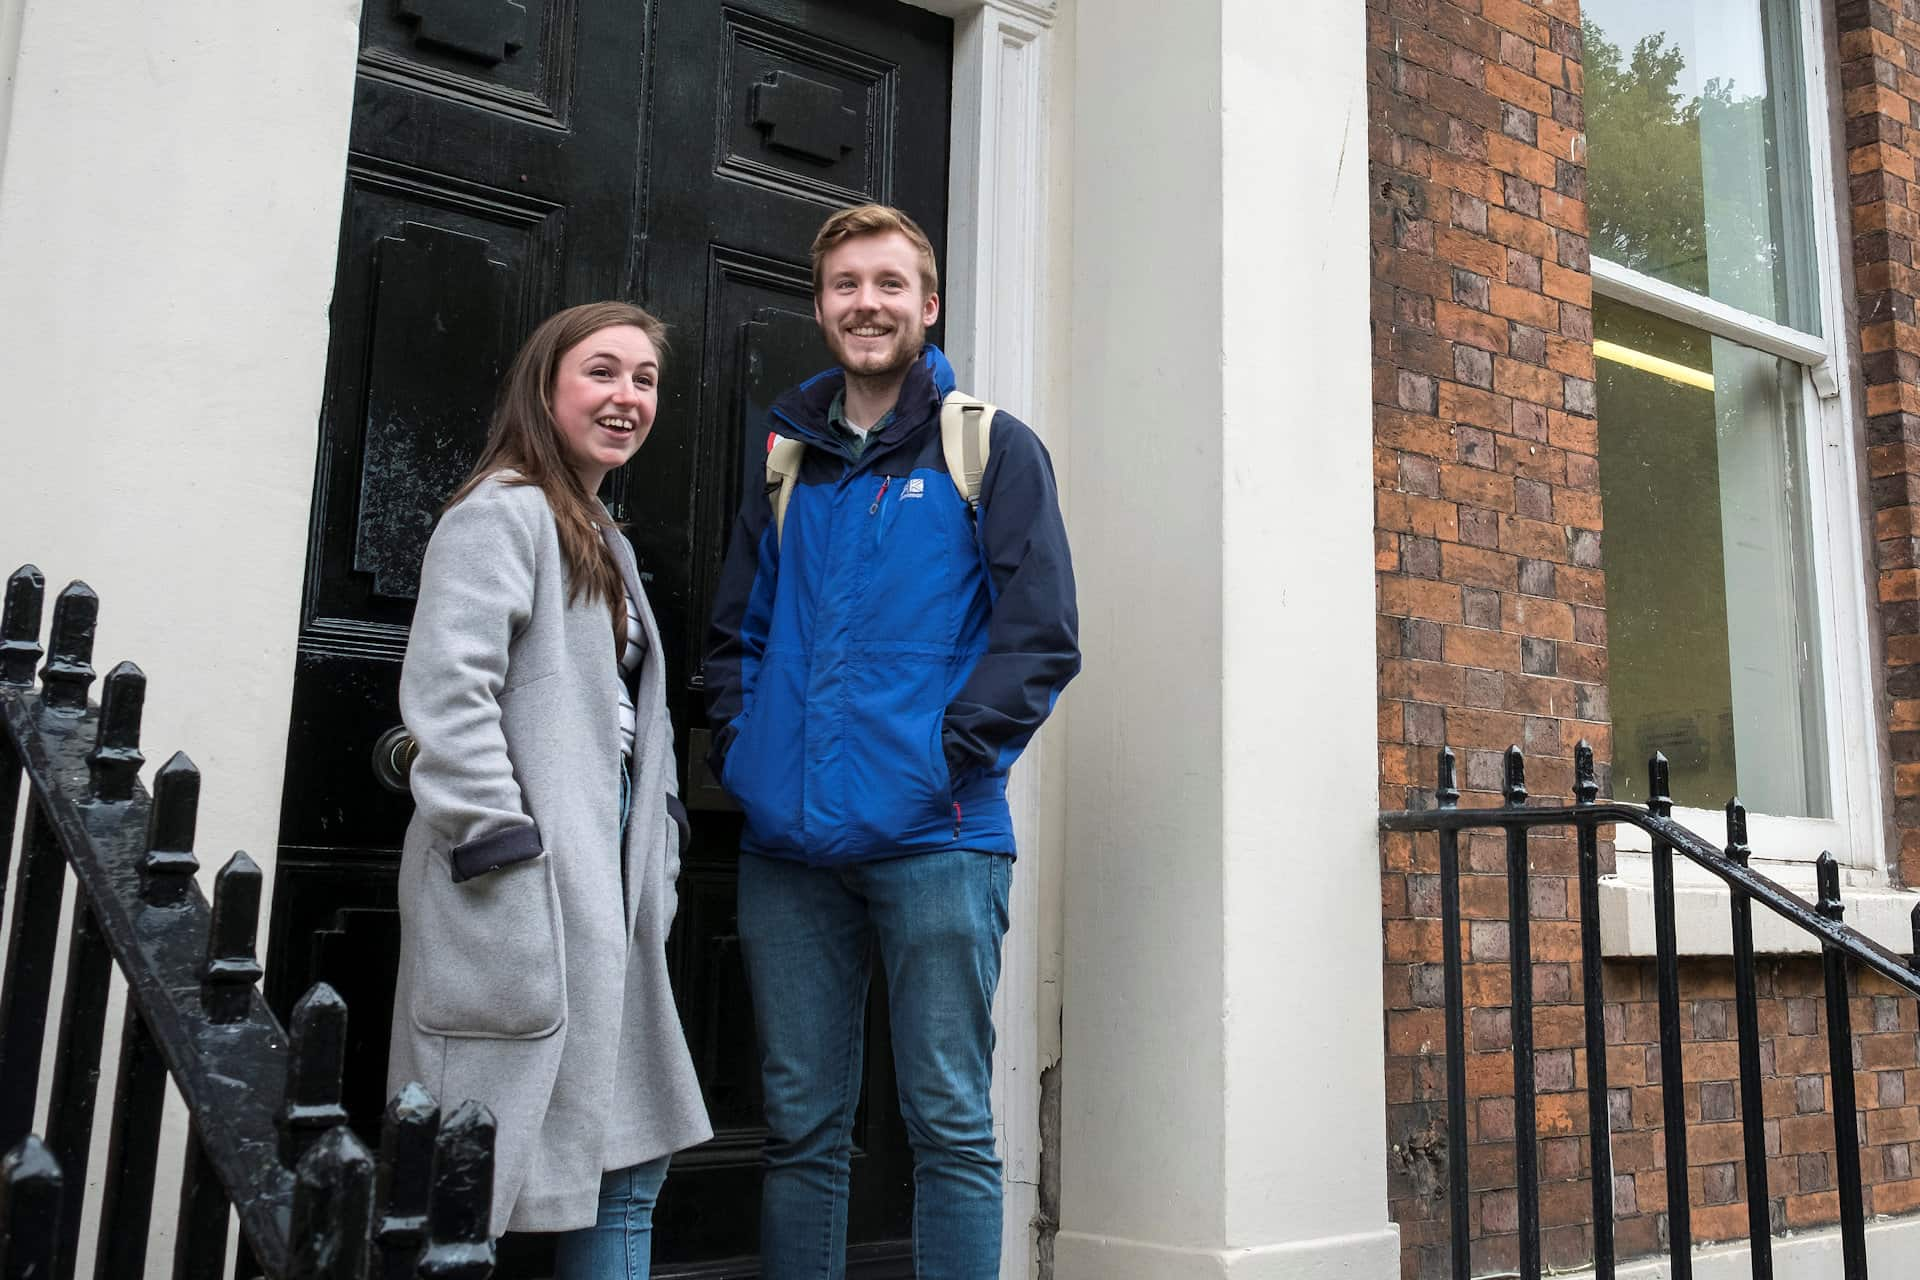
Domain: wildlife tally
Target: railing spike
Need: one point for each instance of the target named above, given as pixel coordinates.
(1586, 790)
(460, 1243)
(68, 675)
(169, 862)
(332, 1210)
(1447, 793)
(30, 1204)
(1843, 1100)
(20, 626)
(1737, 832)
(1659, 783)
(316, 1055)
(1753, 1138)
(1827, 872)
(403, 1185)
(414, 1101)
(1520, 988)
(231, 968)
(115, 760)
(1515, 789)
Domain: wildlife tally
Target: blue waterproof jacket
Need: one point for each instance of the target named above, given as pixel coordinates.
(875, 672)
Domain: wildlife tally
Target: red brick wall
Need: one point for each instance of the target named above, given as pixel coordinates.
(1492, 631)
(1801, 1189)
(1880, 77)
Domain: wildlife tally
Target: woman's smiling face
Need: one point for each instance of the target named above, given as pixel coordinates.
(604, 394)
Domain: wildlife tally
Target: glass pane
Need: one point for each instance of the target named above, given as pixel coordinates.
(1712, 642)
(1697, 149)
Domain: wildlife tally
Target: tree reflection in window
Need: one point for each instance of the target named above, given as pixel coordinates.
(1702, 182)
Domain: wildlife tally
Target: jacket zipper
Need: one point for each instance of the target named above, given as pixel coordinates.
(956, 819)
(874, 510)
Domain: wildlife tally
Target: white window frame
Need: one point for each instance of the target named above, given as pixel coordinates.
(1787, 846)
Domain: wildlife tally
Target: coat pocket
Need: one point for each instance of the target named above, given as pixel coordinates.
(762, 774)
(488, 960)
(895, 789)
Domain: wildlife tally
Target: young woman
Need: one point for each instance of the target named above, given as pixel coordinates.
(537, 882)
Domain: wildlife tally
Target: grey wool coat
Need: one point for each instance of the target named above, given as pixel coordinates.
(532, 971)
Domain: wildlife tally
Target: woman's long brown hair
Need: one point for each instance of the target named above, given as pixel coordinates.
(523, 438)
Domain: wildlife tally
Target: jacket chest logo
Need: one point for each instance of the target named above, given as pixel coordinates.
(916, 488)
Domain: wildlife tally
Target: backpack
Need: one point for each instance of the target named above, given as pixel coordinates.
(966, 428)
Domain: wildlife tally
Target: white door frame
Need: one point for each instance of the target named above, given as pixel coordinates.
(995, 270)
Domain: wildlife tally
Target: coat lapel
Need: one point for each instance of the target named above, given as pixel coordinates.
(629, 572)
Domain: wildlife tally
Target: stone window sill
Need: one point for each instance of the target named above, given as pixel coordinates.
(1703, 925)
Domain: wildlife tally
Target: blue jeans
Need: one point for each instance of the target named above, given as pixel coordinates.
(619, 1245)
(808, 935)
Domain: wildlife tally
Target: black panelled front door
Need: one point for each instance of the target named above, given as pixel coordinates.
(509, 157)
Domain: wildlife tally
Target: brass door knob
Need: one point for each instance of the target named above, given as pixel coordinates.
(393, 757)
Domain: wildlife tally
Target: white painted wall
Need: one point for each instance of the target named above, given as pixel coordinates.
(168, 223)
(1056, 372)
(1224, 1073)
(1056, 388)
(169, 210)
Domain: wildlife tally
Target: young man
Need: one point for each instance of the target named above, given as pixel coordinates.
(881, 656)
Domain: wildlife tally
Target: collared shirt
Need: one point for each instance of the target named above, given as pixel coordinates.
(856, 441)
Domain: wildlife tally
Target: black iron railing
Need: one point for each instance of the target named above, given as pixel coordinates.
(268, 1137)
(1842, 948)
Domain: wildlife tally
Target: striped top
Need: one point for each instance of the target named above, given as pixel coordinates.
(631, 655)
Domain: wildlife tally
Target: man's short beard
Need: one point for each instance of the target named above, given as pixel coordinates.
(907, 354)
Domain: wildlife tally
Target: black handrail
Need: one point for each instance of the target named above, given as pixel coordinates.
(1840, 946)
(268, 1134)
(1782, 901)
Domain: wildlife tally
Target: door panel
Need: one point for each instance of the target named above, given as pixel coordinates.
(507, 158)
(739, 217)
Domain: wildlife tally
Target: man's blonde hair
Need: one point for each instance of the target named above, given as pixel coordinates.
(874, 220)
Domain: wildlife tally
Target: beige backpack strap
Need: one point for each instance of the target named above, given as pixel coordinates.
(783, 469)
(966, 432)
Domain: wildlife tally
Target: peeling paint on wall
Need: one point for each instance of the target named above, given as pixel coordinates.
(1046, 1223)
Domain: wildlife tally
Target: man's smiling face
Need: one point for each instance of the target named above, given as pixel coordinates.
(873, 307)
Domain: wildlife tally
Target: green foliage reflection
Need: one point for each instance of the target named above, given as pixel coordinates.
(1685, 188)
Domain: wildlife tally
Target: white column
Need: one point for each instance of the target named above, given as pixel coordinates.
(1223, 1075)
